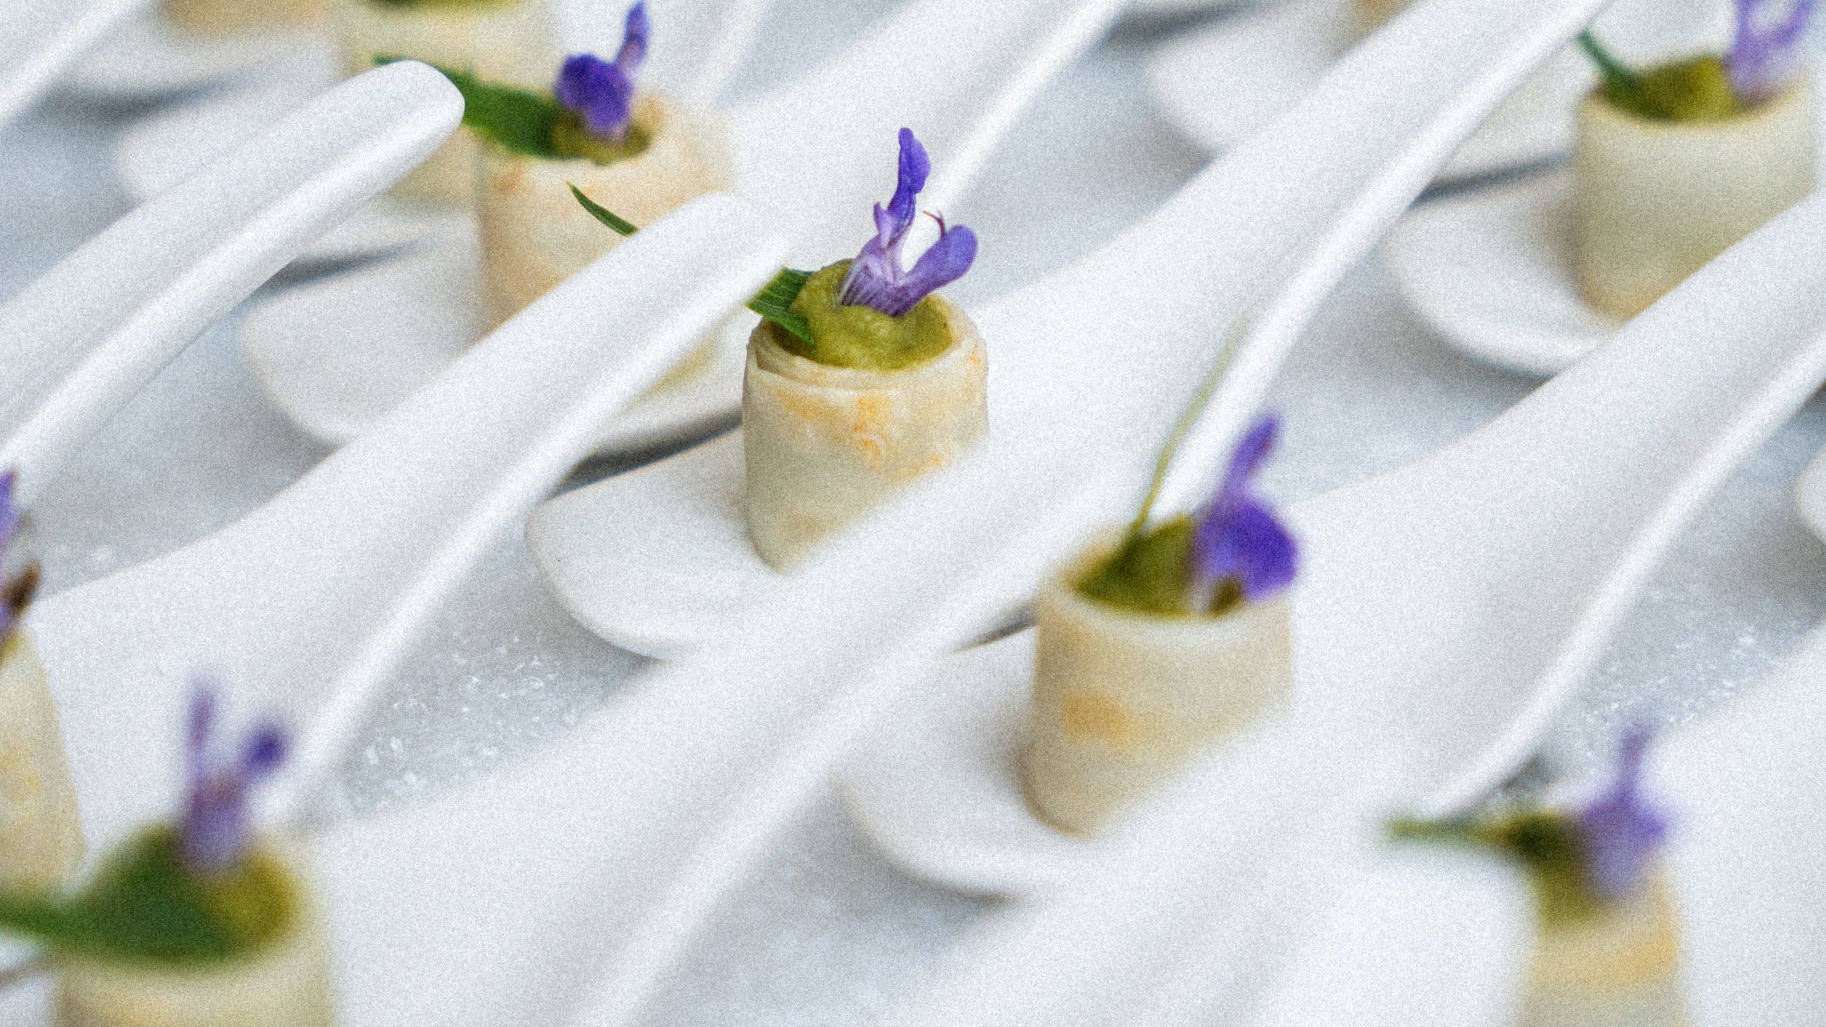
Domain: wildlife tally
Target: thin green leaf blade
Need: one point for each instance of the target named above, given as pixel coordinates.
(776, 300)
(774, 303)
(603, 214)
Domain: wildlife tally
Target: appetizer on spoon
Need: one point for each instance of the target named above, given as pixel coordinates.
(40, 838)
(1672, 163)
(1149, 650)
(1156, 641)
(871, 380)
(1609, 937)
(812, 149)
(192, 922)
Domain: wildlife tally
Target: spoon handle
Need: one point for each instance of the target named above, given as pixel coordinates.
(40, 40)
(962, 70)
(83, 338)
(310, 601)
(1598, 473)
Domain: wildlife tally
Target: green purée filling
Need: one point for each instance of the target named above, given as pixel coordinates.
(814, 325)
(145, 906)
(569, 138)
(863, 337)
(1151, 572)
(1694, 90)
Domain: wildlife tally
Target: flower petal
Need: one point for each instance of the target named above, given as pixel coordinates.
(634, 38)
(266, 749)
(1250, 454)
(213, 832)
(9, 514)
(915, 168)
(1621, 832)
(944, 262)
(1246, 544)
(599, 91)
(1758, 56)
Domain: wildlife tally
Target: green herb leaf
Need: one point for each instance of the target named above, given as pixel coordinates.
(1148, 572)
(616, 222)
(1619, 80)
(773, 303)
(146, 906)
(517, 120)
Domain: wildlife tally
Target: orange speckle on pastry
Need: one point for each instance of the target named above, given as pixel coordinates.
(1095, 715)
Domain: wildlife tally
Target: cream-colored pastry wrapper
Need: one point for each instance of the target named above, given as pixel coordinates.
(509, 41)
(40, 835)
(1620, 968)
(1370, 15)
(534, 233)
(825, 445)
(286, 983)
(1122, 699)
(1657, 200)
(237, 17)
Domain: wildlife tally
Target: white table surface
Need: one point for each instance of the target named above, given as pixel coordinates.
(830, 932)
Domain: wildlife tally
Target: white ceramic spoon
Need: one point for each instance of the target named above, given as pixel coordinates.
(1448, 609)
(1492, 272)
(1418, 937)
(1389, 935)
(1221, 85)
(1745, 789)
(1690, 395)
(151, 59)
(655, 809)
(817, 151)
(308, 603)
(42, 40)
(1747, 793)
(82, 339)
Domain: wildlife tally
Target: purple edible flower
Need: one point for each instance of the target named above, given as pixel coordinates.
(213, 834)
(1621, 832)
(602, 92)
(1759, 56)
(15, 591)
(1239, 539)
(876, 278)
